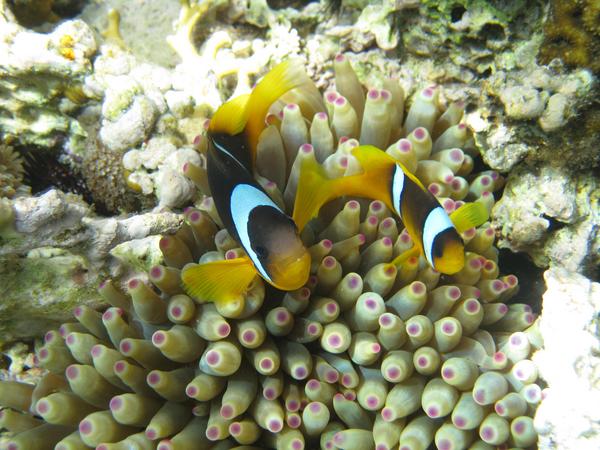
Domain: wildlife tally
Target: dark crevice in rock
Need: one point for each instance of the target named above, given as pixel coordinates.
(531, 280)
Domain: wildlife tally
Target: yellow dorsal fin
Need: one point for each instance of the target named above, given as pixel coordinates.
(231, 117)
(218, 281)
(468, 216)
(282, 78)
(247, 112)
(372, 158)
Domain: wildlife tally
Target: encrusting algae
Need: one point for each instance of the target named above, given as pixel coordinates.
(572, 33)
(365, 355)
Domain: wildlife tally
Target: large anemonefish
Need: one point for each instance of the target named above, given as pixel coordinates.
(265, 232)
(435, 234)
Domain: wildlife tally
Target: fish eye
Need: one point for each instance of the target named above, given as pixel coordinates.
(261, 251)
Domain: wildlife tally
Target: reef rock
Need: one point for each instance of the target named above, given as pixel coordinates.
(55, 252)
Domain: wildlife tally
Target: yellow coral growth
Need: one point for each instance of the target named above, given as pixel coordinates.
(572, 34)
(11, 171)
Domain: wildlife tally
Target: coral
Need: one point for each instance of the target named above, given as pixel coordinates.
(38, 75)
(553, 98)
(11, 171)
(572, 33)
(172, 188)
(552, 214)
(371, 23)
(364, 356)
(106, 181)
(569, 362)
(475, 34)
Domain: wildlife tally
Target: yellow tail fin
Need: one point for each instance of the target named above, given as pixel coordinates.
(314, 190)
(468, 216)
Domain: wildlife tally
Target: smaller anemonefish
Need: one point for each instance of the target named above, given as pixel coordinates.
(435, 234)
(265, 232)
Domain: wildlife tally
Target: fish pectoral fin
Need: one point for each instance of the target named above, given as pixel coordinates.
(231, 117)
(218, 281)
(404, 256)
(314, 190)
(469, 215)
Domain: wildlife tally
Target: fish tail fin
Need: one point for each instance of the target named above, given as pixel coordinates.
(315, 189)
(469, 215)
(375, 180)
(281, 79)
(218, 281)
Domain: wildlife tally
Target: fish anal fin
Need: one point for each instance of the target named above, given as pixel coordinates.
(469, 215)
(218, 281)
(231, 117)
(404, 256)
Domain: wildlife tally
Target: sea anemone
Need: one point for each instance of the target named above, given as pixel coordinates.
(365, 356)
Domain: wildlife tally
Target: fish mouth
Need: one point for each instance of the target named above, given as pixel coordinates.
(291, 272)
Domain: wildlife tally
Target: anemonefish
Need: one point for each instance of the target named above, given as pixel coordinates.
(435, 234)
(265, 232)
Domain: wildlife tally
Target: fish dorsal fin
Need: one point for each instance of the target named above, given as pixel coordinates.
(372, 158)
(231, 117)
(469, 215)
(282, 78)
(218, 281)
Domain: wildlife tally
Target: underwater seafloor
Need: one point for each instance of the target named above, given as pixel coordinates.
(104, 199)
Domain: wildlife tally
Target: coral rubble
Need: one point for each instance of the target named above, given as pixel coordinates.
(366, 355)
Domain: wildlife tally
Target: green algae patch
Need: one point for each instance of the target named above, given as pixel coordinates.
(39, 291)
